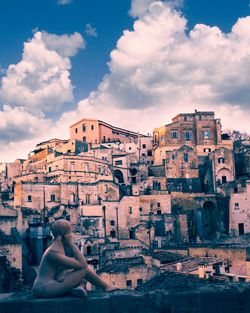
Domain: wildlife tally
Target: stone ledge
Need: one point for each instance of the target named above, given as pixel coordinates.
(233, 298)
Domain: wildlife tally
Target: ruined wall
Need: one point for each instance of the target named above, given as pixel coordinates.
(236, 255)
(13, 252)
(139, 272)
(182, 163)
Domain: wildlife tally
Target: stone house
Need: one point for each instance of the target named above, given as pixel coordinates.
(128, 273)
(239, 212)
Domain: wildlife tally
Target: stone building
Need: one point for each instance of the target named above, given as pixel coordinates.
(201, 132)
(67, 168)
(8, 218)
(239, 212)
(181, 170)
(222, 167)
(44, 148)
(128, 273)
(242, 159)
(94, 131)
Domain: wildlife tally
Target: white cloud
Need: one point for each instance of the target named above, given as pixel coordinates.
(141, 7)
(64, 45)
(90, 30)
(40, 81)
(159, 69)
(17, 124)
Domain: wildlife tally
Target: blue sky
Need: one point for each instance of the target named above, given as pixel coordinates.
(109, 17)
(97, 79)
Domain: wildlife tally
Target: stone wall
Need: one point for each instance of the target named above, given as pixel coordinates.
(226, 299)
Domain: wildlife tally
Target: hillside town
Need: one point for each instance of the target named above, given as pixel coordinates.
(140, 205)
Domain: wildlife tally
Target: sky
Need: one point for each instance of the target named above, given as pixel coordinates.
(132, 63)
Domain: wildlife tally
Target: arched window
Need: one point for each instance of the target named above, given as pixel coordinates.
(83, 127)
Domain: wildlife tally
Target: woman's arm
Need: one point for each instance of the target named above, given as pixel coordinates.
(75, 251)
(76, 262)
(62, 260)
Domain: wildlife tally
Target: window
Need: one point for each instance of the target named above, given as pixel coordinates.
(241, 228)
(118, 162)
(104, 139)
(174, 135)
(87, 198)
(158, 212)
(84, 139)
(49, 169)
(106, 188)
(52, 198)
(236, 206)
(173, 156)
(129, 148)
(112, 223)
(200, 118)
(76, 130)
(162, 138)
(83, 127)
(140, 209)
(29, 198)
(158, 205)
(139, 282)
(224, 179)
(132, 234)
(143, 154)
(130, 210)
(184, 118)
(129, 283)
(92, 127)
(221, 160)
(207, 150)
(144, 146)
(149, 152)
(88, 250)
(206, 134)
(112, 233)
(187, 136)
(185, 157)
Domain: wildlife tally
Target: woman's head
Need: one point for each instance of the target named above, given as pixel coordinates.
(61, 228)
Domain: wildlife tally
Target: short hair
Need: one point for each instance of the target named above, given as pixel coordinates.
(61, 228)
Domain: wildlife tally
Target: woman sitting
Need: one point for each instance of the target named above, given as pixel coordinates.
(58, 273)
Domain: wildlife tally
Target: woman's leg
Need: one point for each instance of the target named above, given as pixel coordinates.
(71, 280)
